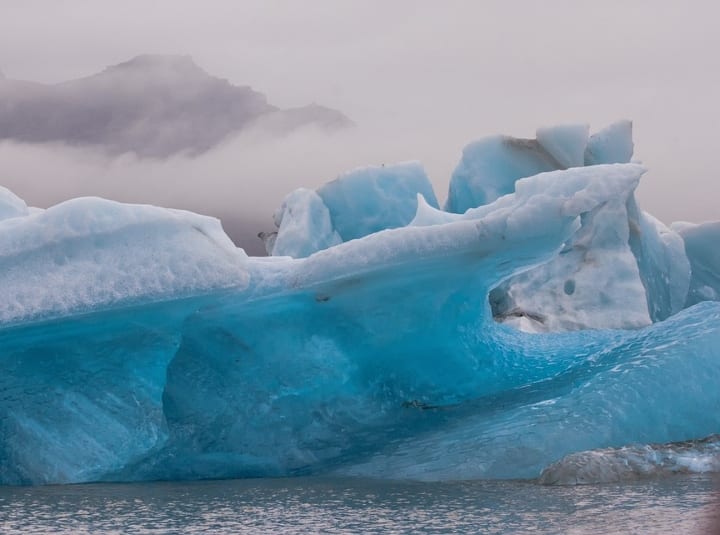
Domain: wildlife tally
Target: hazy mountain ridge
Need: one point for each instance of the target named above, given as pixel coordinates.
(152, 105)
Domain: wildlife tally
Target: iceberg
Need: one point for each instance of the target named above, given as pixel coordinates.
(137, 343)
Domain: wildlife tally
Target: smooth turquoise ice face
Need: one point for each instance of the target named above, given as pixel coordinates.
(82, 396)
(366, 380)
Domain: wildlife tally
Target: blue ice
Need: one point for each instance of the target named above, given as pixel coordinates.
(541, 322)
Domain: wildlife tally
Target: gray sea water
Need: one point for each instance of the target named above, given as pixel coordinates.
(677, 504)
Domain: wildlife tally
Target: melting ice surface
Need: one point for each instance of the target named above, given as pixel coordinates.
(550, 325)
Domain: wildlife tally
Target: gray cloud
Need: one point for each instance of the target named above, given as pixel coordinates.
(241, 181)
(151, 105)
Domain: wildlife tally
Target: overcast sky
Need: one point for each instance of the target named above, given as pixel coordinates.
(421, 79)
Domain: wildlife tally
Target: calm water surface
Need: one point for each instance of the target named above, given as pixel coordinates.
(678, 505)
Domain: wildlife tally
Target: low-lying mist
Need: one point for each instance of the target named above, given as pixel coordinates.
(242, 180)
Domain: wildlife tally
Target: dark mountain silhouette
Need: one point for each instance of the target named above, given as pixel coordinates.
(152, 105)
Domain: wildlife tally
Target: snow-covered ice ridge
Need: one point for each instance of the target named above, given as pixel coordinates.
(540, 314)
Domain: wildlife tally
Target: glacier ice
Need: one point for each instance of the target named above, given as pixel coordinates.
(360, 202)
(565, 143)
(702, 245)
(304, 225)
(594, 281)
(138, 343)
(89, 253)
(371, 199)
(11, 205)
(612, 144)
(664, 267)
(490, 167)
(622, 269)
(601, 389)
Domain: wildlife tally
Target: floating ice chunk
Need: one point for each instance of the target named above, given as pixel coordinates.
(304, 225)
(635, 462)
(91, 253)
(370, 199)
(702, 245)
(612, 144)
(566, 143)
(11, 205)
(490, 167)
